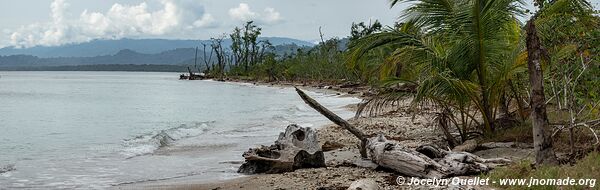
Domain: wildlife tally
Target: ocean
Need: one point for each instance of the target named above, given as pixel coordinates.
(97, 130)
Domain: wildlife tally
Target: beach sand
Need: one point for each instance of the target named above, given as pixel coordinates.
(342, 170)
(344, 164)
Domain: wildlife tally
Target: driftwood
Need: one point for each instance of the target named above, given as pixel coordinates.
(297, 147)
(192, 76)
(472, 145)
(427, 161)
(336, 119)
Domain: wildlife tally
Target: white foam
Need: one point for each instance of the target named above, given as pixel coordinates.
(150, 142)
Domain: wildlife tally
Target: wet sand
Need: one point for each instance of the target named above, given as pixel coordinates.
(341, 171)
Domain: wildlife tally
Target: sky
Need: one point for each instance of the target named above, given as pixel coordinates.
(28, 23)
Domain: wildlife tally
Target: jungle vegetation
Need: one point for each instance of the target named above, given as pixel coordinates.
(470, 59)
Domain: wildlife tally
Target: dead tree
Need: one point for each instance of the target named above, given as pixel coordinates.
(542, 142)
(207, 61)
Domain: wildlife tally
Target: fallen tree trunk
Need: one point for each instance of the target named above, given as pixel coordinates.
(427, 161)
(472, 146)
(297, 147)
(336, 119)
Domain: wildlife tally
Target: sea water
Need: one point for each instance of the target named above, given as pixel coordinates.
(96, 130)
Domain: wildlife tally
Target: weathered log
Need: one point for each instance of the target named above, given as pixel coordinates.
(295, 148)
(472, 146)
(336, 119)
(492, 145)
(392, 155)
(467, 146)
(427, 161)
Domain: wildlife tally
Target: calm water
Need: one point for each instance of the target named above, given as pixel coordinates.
(94, 130)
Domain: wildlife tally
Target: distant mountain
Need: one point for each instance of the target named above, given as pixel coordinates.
(172, 57)
(111, 47)
(178, 57)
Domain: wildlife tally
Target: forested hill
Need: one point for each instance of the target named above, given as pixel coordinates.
(130, 57)
(111, 47)
(171, 57)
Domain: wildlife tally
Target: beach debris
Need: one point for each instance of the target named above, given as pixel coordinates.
(329, 146)
(364, 184)
(7, 168)
(467, 146)
(472, 146)
(193, 76)
(295, 148)
(428, 161)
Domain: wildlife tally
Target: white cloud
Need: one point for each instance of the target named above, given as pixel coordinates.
(207, 21)
(271, 16)
(244, 13)
(175, 16)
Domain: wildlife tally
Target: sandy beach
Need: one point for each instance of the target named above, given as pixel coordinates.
(344, 164)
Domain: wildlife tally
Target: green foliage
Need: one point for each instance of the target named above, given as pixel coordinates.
(359, 30)
(568, 29)
(461, 56)
(323, 63)
(586, 168)
(253, 59)
(468, 57)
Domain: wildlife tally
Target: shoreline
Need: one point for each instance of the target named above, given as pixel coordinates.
(348, 89)
(344, 164)
(247, 181)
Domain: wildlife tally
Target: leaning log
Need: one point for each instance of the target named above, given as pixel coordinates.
(297, 147)
(336, 119)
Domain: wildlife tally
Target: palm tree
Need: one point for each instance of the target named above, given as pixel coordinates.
(452, 50)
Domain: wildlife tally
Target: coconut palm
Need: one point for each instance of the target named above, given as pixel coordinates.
(459, 53)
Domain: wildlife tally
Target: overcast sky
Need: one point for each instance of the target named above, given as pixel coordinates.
(28, 23)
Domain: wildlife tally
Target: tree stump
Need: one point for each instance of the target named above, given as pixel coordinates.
(295, 148)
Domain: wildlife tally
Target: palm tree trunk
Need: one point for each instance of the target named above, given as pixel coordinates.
(481, 70)
(517, 98)
(542, 141)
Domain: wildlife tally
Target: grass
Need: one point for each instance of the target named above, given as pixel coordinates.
(586, 168)
(521, 133)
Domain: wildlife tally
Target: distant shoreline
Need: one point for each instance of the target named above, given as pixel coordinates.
(103, 67)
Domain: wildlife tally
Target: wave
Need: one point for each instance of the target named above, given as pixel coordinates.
(7, 168)
(152, 141)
